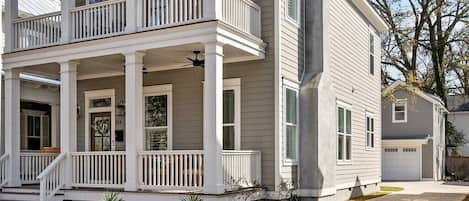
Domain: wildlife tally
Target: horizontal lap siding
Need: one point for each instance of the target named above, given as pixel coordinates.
(349, 55)
(292, 62)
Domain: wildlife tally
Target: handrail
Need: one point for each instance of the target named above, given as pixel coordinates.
(94, 5)
(37, 17)
(52, 166)
(4, 169)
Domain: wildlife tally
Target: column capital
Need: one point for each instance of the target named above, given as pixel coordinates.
(214, 48)
(68, 66)
(128, 53)
(12, 74)
(134, 57)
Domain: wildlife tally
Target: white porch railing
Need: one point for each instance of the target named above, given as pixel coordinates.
(52, 178)
(4, 160)
(38, 31)
(98, 20)
(162, 13)
(98, 169)
(171, 169)
(32, 164)
(241, 169)
(242, 14)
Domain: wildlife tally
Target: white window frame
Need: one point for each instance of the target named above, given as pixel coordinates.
(99, 94)
(290, 85)
(372, 52)
(33, 113)
(298, 9)
(345, 106)
(161, 90)
(370, 133)
(235, 85)
(394, 120)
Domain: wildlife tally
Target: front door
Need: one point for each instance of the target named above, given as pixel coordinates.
(100, 127)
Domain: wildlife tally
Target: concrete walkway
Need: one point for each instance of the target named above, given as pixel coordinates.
(425, 191)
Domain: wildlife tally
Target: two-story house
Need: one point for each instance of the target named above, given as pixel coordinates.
(164, 98)
(413, 134)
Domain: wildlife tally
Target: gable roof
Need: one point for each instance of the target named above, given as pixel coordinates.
(426, 96)
(370, 13)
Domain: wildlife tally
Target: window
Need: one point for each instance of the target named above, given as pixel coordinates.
(34, 132)
(370, 132)
(372, 53)
(290, 121)
(344, 132)
(157, 124)
(399, 111)
(293, 8)
(231, 114)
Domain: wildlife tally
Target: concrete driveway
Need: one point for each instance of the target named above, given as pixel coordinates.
(425, 191)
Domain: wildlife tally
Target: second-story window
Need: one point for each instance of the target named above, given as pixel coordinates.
(372, 54)
(399, 111)
(293, 8)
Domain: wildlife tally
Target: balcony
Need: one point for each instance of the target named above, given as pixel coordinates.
(119, 17)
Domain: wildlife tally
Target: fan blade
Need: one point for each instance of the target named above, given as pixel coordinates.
(190, 59)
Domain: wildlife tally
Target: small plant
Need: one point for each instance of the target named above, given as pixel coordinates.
(113, 196)
(192, 197)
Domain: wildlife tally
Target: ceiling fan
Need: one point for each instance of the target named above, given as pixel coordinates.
(197, 62)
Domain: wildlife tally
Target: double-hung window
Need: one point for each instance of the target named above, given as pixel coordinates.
(399, 111)
(293, 10)
(158, 117)
(344, 132)
(372, 53)
(370, 132)
(290, 121)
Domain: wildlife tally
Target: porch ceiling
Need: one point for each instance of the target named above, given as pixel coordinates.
(155, 60)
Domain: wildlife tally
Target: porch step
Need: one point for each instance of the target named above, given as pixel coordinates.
(25, 194)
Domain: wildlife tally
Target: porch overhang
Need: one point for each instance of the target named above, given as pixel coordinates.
(182, 35)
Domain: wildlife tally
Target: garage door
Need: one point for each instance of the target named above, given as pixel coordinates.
(401, 163)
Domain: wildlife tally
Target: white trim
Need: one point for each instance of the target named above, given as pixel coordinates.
(290, 85)
(371, 15)
(404, 101)
(277, 92)
(159, 90)
(96, 94)
(295, 22)
(406, 142)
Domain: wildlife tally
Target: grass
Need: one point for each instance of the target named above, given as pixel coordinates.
(384, 190)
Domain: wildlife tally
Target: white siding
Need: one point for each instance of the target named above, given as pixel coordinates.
(349, 63)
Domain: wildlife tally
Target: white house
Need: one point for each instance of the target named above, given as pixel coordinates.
(222, 98)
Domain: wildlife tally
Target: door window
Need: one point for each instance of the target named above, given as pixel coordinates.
(101, 131)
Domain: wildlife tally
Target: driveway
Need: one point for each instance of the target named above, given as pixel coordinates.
(425, 191)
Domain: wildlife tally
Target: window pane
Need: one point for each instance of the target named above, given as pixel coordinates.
(292, 9)
(340, 147)
(372, 140)
(291, 142)
(399, 116)
(368, 139)
(228, 137)
(349, 121)
(156, 139)
(30, 126)
(34, 143)
(156, 111)
(228, 106)
(37, 126)
(372, 125)
(102, 102)
(291, 106)
(102, 126)
(348, 147)
(400, 107)
(340, 120)
(372, 64)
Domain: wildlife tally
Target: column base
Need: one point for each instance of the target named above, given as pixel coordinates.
(214, 189)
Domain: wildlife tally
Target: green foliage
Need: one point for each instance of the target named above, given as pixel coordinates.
(391, 188)
(454, 137)
(113, 196)
(192, 198)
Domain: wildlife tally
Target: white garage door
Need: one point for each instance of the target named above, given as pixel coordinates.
(401, 163)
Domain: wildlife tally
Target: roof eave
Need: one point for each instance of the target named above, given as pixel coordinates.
(371, 14)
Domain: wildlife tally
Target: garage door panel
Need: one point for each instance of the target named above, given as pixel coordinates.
(401, 163)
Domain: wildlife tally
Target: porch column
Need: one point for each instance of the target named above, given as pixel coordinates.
(213, 119)
(12, 126)
(133, 116)
(55, 125)
(66, 6)
(11, 13)
(68, 114)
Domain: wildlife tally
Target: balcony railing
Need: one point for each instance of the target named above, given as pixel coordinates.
(110, 18)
